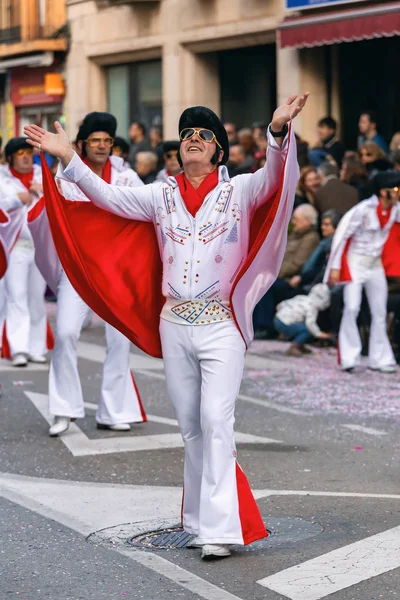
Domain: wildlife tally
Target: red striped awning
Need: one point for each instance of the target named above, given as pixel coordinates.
(380, 20)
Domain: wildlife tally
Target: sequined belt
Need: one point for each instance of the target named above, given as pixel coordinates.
(196, 312)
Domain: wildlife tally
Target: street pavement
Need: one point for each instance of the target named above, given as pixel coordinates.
(320, 448)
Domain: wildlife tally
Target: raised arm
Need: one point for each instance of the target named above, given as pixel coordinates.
(129, 202)
(263, 183)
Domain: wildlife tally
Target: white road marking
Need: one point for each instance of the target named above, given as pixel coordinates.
(367, 430)
(340, 569)
(265, 493)
(273, 405)
(152, 418)
(79, 444)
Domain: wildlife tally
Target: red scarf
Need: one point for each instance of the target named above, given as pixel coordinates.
(195, 198)
(106, 173)
(383, 216)
(25, 178)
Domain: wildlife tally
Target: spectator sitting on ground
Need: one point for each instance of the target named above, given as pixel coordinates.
(297, 319)
(314, 268)
(302, 241)
(328, 144)
(231, 132)
(354, 173)
(170, 156)
(367, 126)
(239, 163)
(334, 193)
(121, 149)
(139, 142)
(373, 158)
(307, 186)
(245, 139)
(146, 166)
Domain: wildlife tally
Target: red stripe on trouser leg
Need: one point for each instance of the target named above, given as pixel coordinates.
(5, 346)
(142, 411)
(49, 337)
(253, 527)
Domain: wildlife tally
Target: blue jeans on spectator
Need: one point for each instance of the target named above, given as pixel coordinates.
(297, 332)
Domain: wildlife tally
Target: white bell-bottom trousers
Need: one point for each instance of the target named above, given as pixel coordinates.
(203, 368)
(25, 307)
(119, 400)
(376, 289)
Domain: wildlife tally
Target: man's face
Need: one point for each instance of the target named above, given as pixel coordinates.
(246, 140)
(98, 147)
(299, 222)
(171, 162)
(142, 166)
(134, 131)
(231, 132)
(23, 160)
(196, 152)
(324, 132)
(364, 124)
(236, 155)
(327, 228)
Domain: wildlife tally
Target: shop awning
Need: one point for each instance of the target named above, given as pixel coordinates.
(380, 20)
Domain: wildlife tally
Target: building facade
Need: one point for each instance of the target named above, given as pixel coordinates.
(33, 45)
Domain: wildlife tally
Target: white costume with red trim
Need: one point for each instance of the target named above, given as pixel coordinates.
(25, 287)
(120, 400)
(203, 338)
(360, 239)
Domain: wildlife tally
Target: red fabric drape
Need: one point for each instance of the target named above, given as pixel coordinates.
(113, 263)
(192, 197)
(25, 178)
(391, 252)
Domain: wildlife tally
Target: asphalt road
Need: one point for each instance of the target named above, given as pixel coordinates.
(320, 448)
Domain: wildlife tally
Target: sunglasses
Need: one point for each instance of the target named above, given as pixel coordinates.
(365, 154)
(171, 154)
(392, 191)
(95, 142)
(204, 134)
(24, 151)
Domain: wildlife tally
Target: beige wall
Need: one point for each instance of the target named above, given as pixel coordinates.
(180, 32)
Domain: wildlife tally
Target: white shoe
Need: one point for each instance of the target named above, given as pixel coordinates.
(37, 358)
(116, 427)
(211, 551)
(194, 544)
(19, 360)
(60, 425)
(385, 369)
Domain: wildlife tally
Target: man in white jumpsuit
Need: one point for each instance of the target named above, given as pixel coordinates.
(202, 223)
(120, 402)
(26, 323)
(356, 259)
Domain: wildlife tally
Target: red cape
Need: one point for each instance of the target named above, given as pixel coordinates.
(113, 263)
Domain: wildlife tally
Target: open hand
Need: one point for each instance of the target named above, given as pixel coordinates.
(288, 111)
(56, 144)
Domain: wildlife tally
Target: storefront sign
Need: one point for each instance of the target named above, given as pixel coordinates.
(304, 4)
(36, 87)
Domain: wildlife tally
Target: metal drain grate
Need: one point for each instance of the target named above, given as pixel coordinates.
(163, 539)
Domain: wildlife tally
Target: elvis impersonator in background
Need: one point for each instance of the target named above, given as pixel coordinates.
(120, 403)
(356, 260)
(26, 323)
(221, 243)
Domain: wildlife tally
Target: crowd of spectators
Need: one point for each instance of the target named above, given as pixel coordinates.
(333, 179)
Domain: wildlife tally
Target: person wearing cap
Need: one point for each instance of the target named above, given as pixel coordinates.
(120, 402)
(356, 260)
(221, 242)
(26, 322)
(171, 165)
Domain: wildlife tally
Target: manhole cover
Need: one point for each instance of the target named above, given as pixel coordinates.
(282, 531)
